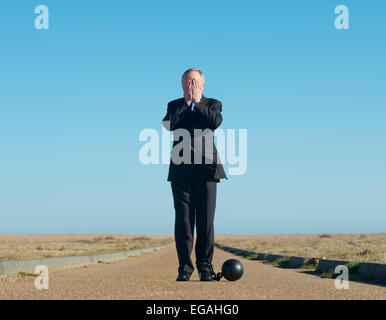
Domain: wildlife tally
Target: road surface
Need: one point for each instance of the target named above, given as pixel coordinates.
(152, 276)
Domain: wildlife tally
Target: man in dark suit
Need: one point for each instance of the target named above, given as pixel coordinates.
(194, 171)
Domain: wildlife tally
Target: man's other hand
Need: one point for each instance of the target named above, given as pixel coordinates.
(188, 92)
(197, 91)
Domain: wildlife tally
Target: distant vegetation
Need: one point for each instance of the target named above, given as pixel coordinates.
(13, 247)
(369, 247)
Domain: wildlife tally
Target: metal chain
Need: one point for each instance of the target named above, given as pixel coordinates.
(215, 276)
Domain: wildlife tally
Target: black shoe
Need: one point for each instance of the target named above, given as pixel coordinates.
(183, 276)
(206, 276)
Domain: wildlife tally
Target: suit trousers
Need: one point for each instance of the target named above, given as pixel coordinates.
(194, 204)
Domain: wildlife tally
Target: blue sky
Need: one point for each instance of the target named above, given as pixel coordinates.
(74, 98)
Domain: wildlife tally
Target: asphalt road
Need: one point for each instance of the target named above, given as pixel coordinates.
(152, 276)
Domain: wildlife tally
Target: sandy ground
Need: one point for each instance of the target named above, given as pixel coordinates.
(152, 276)
(369, 247)
(25, 246)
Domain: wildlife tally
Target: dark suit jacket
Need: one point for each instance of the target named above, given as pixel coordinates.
(207, 115)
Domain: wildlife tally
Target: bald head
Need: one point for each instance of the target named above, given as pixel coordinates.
(191, 74)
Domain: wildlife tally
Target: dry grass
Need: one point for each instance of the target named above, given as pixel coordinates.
(359, 247)
(18, 246)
